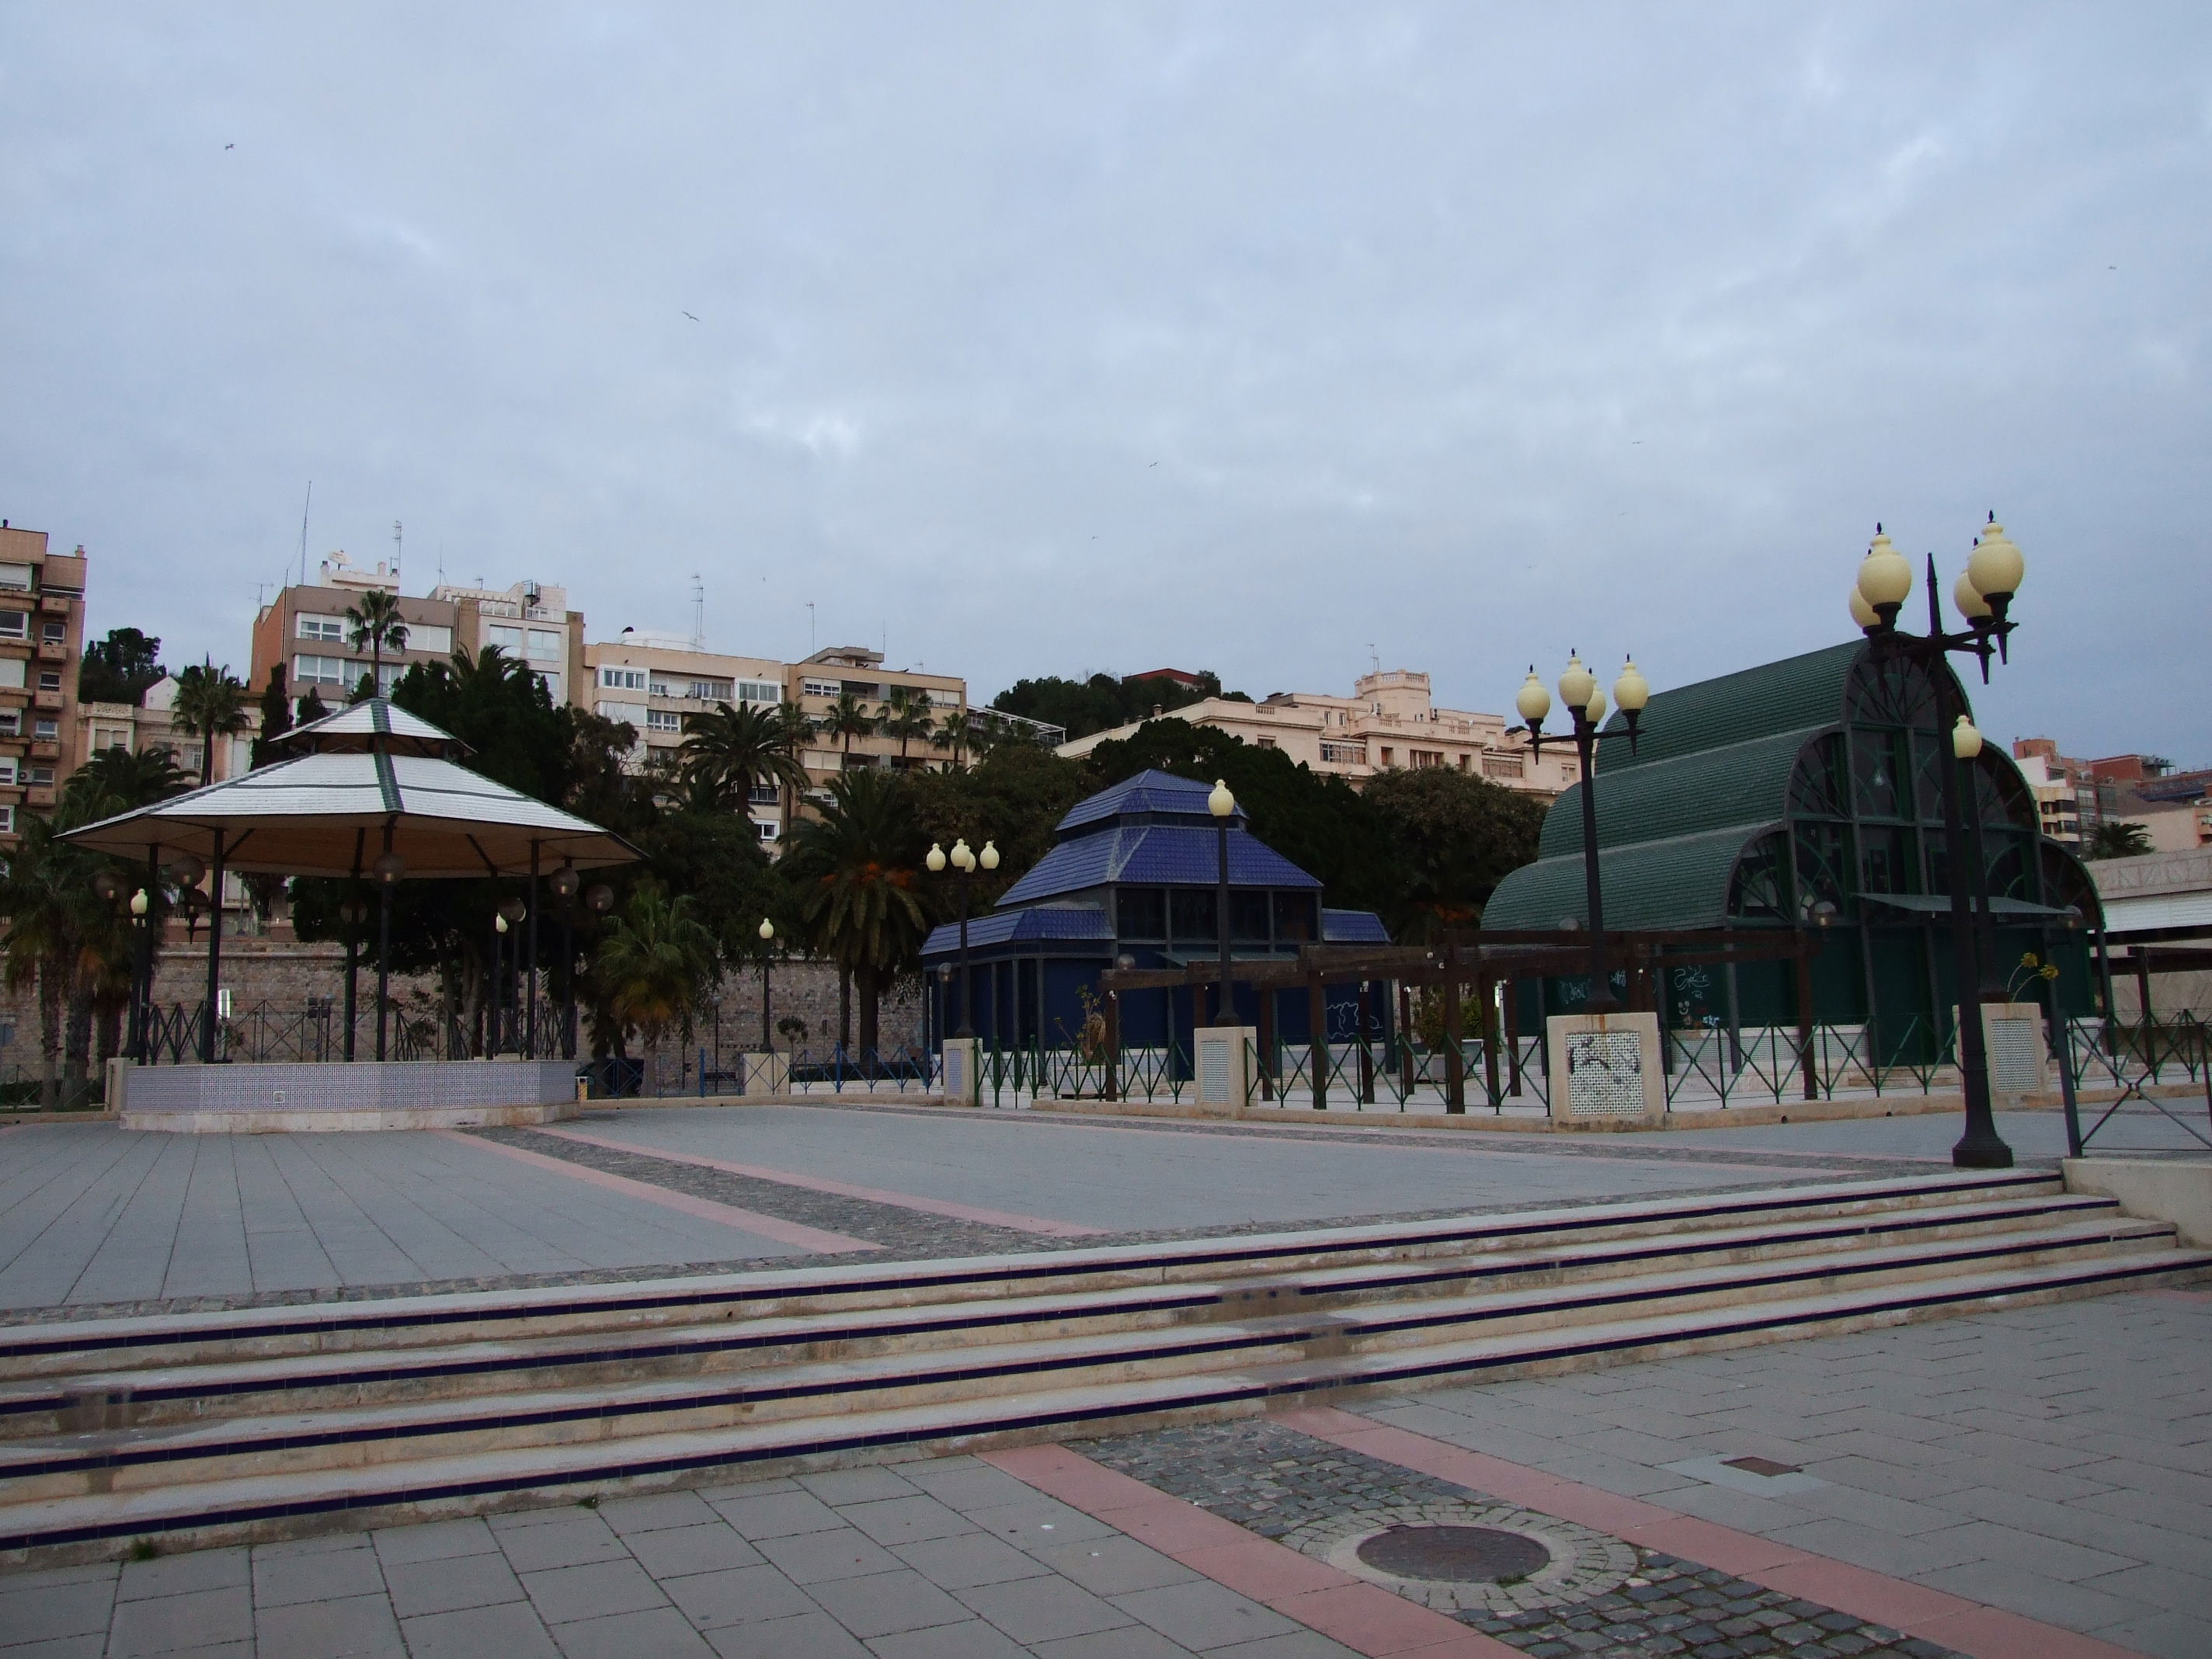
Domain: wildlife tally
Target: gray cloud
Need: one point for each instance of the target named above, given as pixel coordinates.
(1043, 339)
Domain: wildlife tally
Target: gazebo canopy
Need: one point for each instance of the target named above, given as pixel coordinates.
(367, 768)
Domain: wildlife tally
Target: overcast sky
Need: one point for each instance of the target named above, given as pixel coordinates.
(1047, 339)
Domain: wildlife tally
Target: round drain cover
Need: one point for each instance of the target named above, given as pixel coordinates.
(1457, 1555)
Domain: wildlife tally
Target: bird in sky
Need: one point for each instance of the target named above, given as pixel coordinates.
(230, 146)
(689, 314)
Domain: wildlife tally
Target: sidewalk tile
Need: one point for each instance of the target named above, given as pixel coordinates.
(676, 1550)
(660, 1510)
(840, 1486)
(1041, 1609)
(434, 1540)
(661, 1632)
(737, 1595)
(906, 1519)
(510, 1630)
(360, 1627)
(447, 1586)
(196, 1619)
(973, 1557)
(323, 1576)
(887, 1603)
(804, 1635)
(573, 1541)
(816, 1557)
(175, 1575)
(973, 1640)
(1203, 1615)
(777, 1515)
(591, 1590)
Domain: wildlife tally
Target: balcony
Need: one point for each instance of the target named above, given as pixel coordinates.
(46, 699)
(54, 651)
(57, 603)
(45, 749)
(41, 794)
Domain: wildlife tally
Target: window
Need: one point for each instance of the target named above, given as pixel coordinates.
(1294, 919)
(663, 720)
(766, 691)
(808, 687)
(1503, 766)
(426, 636)
(866, 689)
(8, 827)
(322, 627)
(7, 770)
(1387, 761)
(631, 713)
(1422, 759)
(11, 723)
(39, 777)
(941, 698)
(386, 677)
(46, 730)
(509, 639)
(111, 736)
(1268, 743)
(54, 633)
(710, 691)
(660, 687)
(1141, 912)
(14, 625)
(764, 794)
(15, 576)
(1344, 754)
(765, 830)
(1462, 762)
(551, 682)
(1248, 916)
(319, 671)
(1191, 914)
(622, 679)
(546, 645)
(50, 679)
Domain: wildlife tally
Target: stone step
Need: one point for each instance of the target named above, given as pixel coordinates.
(283, 1504)
(99, 1399)
(125, 1458)
(385, 1324)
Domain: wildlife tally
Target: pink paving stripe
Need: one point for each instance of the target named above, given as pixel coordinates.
(1025, 1224)
(752, 1221)
(1934, 1615)
(1364, 1617)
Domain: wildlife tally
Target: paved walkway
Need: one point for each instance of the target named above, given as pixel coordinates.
(1981, 1486)
(92, 1215)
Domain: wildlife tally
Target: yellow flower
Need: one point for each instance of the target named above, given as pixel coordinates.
(2028, 959)
(2051, 972)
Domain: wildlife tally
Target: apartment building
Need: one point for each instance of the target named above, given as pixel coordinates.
(151, 724)
(816, 684)
(1390, 720)
(304, 628)
(656, 681)
(41, 652)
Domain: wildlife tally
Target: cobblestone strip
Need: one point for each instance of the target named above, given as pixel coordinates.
(1288, 1486)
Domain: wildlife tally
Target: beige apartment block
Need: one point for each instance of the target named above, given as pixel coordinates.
(41, 651)
(304, 628)
(1389, 721)
(151, 725)
(816, 684)
(657, 681)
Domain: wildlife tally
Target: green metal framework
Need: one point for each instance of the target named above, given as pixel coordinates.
(1758, 799)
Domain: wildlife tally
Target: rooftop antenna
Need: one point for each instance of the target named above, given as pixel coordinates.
(303, 532)
(1373, 658)
(396, 545)
(810, 628)
(698, 613)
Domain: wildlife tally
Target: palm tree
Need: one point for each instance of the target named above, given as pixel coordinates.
(849, 718)
(116, 780)
(2115, 840)
(374, 624)
(858, 870)
(43, 895)
(210, 703)
(727, 753)
(654, 962)
(952, 734)
(906, 715)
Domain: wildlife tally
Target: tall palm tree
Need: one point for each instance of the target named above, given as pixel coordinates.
(116, 780)
(44, 896)
(210, 703)
(952, 734)
(374, 624)
(906, 715)
(849, 718)
(794, 731)
(654, 962)
(727, 753)
(859, 870)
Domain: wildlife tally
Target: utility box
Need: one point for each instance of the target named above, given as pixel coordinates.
(767, 1075)
(1224, 1061)
(963, 1079)
(1605, 1069)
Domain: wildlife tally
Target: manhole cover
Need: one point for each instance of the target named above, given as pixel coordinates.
(1454, 1555)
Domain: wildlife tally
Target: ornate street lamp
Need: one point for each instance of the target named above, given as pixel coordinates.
(768, 944)
(966, 862)
(1984, 596)
(1223, 805)
(353, 913)
(565, 883)
(388, 870)
(1585, 701)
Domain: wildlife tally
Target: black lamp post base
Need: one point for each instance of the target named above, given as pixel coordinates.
(1980, 1152)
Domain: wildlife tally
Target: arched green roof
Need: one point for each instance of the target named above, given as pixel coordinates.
(1681, 881)
(1743, 783)
(1775, 698)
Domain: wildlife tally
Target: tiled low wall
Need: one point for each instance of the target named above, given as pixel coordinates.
(360, 1095)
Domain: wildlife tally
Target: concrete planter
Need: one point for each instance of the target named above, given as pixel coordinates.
(428, 1094)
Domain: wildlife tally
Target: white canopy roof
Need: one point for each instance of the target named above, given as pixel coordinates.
(326, 814)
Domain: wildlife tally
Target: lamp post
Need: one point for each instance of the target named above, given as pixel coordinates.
(1984, 595)
(511, 912)
(966, 862)
(566, 881)
(352, 912)
(1585, 701)
(1223, 805)
(388, 870)
(768, 944)
(599, 899)
(142, 981)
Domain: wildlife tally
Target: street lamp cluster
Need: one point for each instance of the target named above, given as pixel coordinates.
(1983, 596)
(1585, 701)
(967, 863)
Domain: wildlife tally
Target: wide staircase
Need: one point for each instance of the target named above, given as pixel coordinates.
(208, 1426)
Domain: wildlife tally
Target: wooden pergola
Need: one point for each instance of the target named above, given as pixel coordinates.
(1481, 959)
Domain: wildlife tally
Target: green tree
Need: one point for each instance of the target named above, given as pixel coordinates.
(374, 626)
(849, 718)
(1014, 797)
(728, 753)
(1100, 702)
(952, 734)
(858, 870)
(311, 708)
(210, 703)
(275, 716)
(2115, 840)
(116, 780)
(654, 963)
(1454, 837)
(119, 668)
(906, 716)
